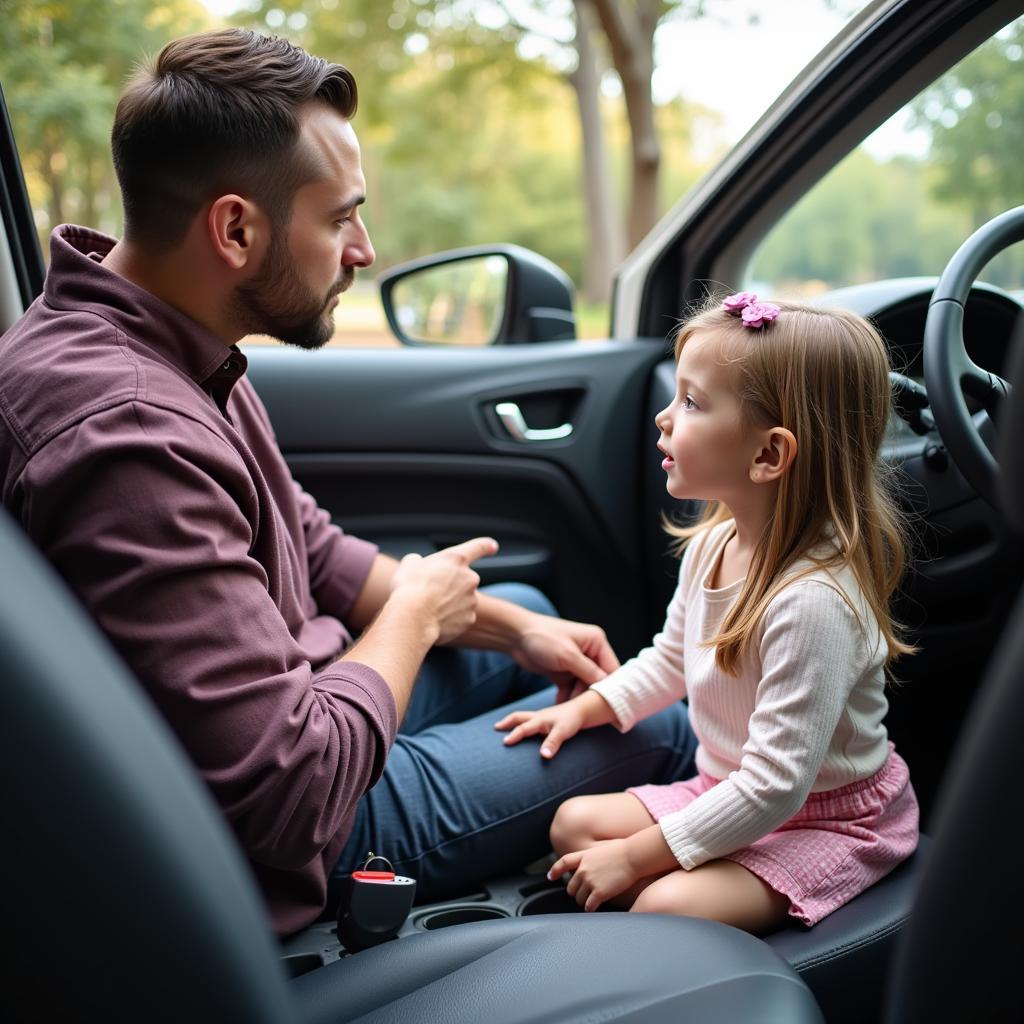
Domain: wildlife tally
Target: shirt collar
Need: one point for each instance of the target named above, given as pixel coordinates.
(77, 280)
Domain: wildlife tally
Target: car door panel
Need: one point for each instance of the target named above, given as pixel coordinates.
(405, 448)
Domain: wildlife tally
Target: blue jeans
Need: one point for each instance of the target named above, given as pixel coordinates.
(455, 806)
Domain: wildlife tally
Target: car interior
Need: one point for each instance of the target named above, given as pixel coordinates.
(130, 897)
(126, 884)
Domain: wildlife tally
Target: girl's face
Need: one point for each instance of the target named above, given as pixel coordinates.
(707, 445)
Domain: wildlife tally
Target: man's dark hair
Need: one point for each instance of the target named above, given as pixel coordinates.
(218, 112)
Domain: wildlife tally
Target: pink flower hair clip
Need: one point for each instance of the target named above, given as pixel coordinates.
(750, 311)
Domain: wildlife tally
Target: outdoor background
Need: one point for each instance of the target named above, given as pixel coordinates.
(566, 126)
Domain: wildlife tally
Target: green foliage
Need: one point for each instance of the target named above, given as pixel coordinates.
(975, 115)
(62, 66)
(904, 217)
(465, 140)
(864, 221)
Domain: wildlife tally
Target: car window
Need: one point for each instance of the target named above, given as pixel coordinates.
(902, 202)
(470, 125)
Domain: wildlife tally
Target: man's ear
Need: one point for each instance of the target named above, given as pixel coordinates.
(776, 455)
(237, 230)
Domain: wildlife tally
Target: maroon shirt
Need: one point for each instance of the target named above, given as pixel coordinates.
(139, 459)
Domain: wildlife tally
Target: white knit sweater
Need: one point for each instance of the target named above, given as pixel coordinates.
(803, 714)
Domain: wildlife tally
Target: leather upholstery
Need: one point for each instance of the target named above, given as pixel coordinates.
(845, 958)
(560, 969)
(125, 898)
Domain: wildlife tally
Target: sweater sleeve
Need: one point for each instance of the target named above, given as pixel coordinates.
(812, 653)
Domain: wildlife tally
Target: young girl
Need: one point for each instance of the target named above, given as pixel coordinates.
(779, 634)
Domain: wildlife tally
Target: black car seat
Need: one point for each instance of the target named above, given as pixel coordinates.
(845, 958)
(126, 898)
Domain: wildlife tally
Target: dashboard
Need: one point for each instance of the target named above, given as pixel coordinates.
(899, 308)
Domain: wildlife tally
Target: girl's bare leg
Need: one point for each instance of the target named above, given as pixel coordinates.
(584, 820)
(719, 890)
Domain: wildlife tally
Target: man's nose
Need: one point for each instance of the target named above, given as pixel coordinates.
(359, 252)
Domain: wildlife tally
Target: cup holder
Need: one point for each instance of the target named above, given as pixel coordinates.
(301, 963)
(458, 915)
(549, 901)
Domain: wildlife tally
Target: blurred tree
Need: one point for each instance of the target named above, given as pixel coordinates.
(975, 117)
(619, 33)
(629, 29)
(487, 56)
(62, 65)
(866, 220)
(605, 247)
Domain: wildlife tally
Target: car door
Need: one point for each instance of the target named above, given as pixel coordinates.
(404, 446)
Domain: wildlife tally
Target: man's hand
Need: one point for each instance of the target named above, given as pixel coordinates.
(444, 585)
(557, 723)
(571, 654)
(599, 873)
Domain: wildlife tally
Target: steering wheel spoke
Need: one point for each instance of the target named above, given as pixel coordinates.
(984, 386)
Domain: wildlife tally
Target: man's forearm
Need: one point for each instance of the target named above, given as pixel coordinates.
(499, 625)
(374, 594)
(395, 645)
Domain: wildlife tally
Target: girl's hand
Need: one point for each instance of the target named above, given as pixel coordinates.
(599, 873)
(558, 723)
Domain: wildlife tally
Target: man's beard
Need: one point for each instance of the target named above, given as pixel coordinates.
(277, 302)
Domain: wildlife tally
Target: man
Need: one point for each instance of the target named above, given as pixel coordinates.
(138, 457)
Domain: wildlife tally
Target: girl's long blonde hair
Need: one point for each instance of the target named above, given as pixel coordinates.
(824, 375)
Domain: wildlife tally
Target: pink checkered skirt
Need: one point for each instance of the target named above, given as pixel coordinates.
(839, 843)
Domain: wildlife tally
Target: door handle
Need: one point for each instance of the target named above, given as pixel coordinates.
(512, 419)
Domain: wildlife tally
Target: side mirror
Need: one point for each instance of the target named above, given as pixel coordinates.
(481, 295)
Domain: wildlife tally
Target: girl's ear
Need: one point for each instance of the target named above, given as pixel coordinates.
(778, 450)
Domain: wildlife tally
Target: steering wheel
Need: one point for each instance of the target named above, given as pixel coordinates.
(949, 371)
